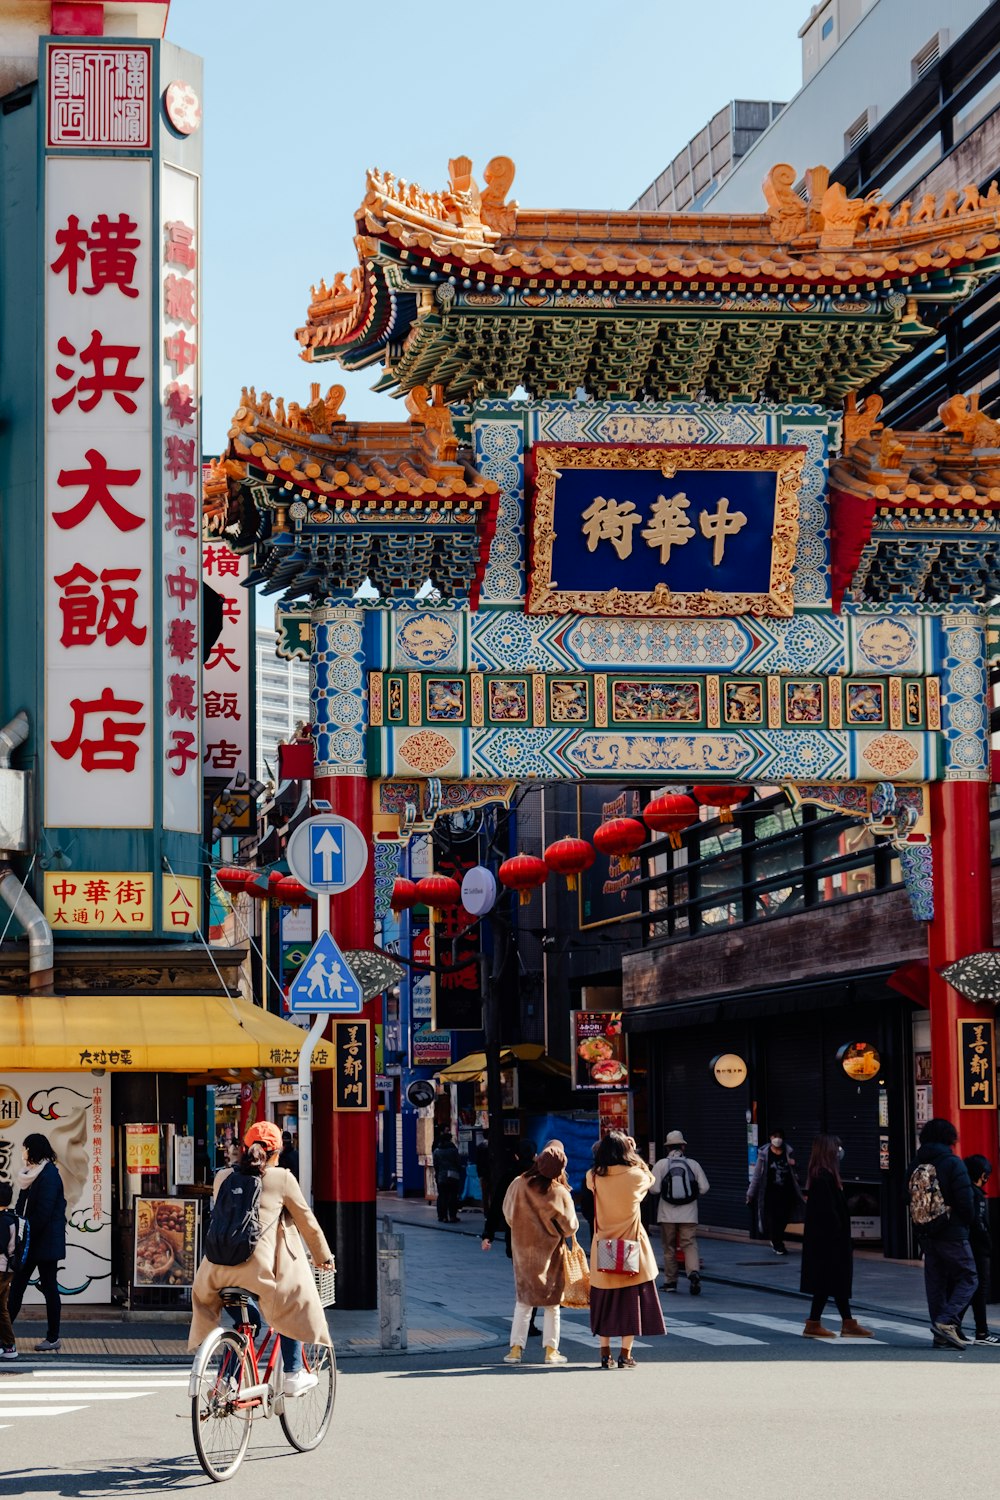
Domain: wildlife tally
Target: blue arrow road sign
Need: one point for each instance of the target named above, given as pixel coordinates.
(325, 982)
(326, 854)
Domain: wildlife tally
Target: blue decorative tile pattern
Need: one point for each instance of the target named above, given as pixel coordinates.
(385, 854)
(337, 692)
(917, 864)
(964, 696)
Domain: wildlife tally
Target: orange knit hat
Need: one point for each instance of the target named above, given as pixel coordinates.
(269, 1135)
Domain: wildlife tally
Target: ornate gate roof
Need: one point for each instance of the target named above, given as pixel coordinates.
(807, 301)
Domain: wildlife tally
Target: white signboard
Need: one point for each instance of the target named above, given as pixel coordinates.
(180, 459)
(327, 854)
(100, 713)
(227, 681)
(73, 1111)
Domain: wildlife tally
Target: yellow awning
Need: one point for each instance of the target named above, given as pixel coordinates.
(529, 1054)
(146, 1033)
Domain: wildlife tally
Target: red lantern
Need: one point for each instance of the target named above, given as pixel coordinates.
(404, 895)
(723, 797)
(439, 891)
(569, 857)
(291, 892)
(620, 836)
(263, 887)
(233, 879)
(523, 873)
(670, 813)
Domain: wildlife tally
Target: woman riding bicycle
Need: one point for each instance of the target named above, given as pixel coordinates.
(277, 1275)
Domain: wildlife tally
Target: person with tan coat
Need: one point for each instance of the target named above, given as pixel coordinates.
(621, 1306)
(277, 1275)
(538, 1208)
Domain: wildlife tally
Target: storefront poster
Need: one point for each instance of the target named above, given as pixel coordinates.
(607, 891)
(613, 1113)
(166, 1241)
(431, 1049)
(600, 1058)
(73, 1111)
(142, 1149)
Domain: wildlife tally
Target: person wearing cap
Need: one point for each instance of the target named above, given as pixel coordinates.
(538, 1208)
(678, 1183)
(277, 1275)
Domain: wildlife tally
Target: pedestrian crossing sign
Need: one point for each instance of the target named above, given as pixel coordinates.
(326, 982)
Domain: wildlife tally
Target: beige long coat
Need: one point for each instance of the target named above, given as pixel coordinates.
(617, 1197)
(278, 1274)
(539, 1224)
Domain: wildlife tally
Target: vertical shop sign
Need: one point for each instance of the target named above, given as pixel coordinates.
(976, 1064)
(227, 672)
(352, 1065)
(99, 493)
(180, 462)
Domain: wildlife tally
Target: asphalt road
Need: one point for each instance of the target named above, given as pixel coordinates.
(733, 1402)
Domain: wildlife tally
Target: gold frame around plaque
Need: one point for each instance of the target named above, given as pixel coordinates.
(551, 459)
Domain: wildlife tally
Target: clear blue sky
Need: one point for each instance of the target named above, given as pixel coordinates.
(301, 96)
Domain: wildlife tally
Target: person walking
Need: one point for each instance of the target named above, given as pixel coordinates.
(8, 1245)
(941, 1206)
(538, 1207)
(516, 1161)
(980, 1169)
(41, 1200)
(621, 1306)
(277, 1275)
(827, 1253)
(774, 1189)
(449, 1175)
(289, 1157)
(678, 1183)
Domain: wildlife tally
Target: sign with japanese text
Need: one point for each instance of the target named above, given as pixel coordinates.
(352, 1073)
(142, 1149)
(73, 1111)
(664, 529)
(99, 96)
(99, 545)
(600, 1057)
(977, 1068)
(429, 1048)
(608, 891)
(180, 463)
(613, 1113)
(421, 980)
(166, 1241)
(227, 677)
(181, 904)
(112, 901)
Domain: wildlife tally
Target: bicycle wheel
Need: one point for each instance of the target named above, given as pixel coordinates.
(305, 1419)
(221, 1426)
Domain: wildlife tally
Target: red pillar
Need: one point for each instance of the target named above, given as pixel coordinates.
(345, 1144)
(963, 924)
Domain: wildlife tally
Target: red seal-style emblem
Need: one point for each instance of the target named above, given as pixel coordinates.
(183, 107)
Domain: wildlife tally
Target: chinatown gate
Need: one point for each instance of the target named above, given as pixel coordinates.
(690, 554)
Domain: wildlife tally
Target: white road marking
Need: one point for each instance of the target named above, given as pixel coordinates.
(54, 1393)
(787, 1325)
(701, 1334)
(32, 1393)
(39, 1411)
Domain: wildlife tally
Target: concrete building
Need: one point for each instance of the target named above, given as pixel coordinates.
(282, 701)
(697, 172)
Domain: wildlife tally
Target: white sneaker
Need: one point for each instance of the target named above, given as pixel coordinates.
(11, 1353)
(299, 1382)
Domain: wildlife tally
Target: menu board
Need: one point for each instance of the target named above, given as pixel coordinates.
(600, 1057)
(166, 1241)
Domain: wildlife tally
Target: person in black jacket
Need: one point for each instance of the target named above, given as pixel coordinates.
(827, 1254)
(42, 1202)
(980, 1169)
(949, 1265)
(449, 1174)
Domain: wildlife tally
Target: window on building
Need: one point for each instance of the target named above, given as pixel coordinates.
(827, 28)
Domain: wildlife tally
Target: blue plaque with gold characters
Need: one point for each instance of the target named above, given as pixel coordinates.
(663, 530)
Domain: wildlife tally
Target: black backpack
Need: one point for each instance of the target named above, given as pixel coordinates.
(235, 1226)
(679, 1185)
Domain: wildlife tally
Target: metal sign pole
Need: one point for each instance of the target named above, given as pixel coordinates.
(305, 1075)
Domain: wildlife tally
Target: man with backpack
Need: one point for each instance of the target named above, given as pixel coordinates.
(941, 1207)
(678, 1183)
(14, 1240)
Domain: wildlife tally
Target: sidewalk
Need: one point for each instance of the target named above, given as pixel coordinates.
(887, 1286)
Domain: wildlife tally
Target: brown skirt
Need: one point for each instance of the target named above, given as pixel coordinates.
(626, 1310)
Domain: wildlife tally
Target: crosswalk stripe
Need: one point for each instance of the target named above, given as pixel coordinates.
(889, 1325)
(39, 1411)
(700, 1333)
(105, 1383)
(102, 1372)
(786, 1325)
(27, 1393)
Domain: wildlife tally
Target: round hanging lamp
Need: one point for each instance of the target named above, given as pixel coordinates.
(439, 892)
(725, 798)
(671, 813)
(522, 873)
(233, 879)
(569, 857)
(291, 892)
(620, 836)
(404, 894)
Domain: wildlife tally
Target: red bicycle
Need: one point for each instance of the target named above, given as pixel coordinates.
(228, 1390)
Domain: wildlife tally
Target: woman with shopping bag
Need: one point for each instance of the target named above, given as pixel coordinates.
(623, 1300)
(538, 1207)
